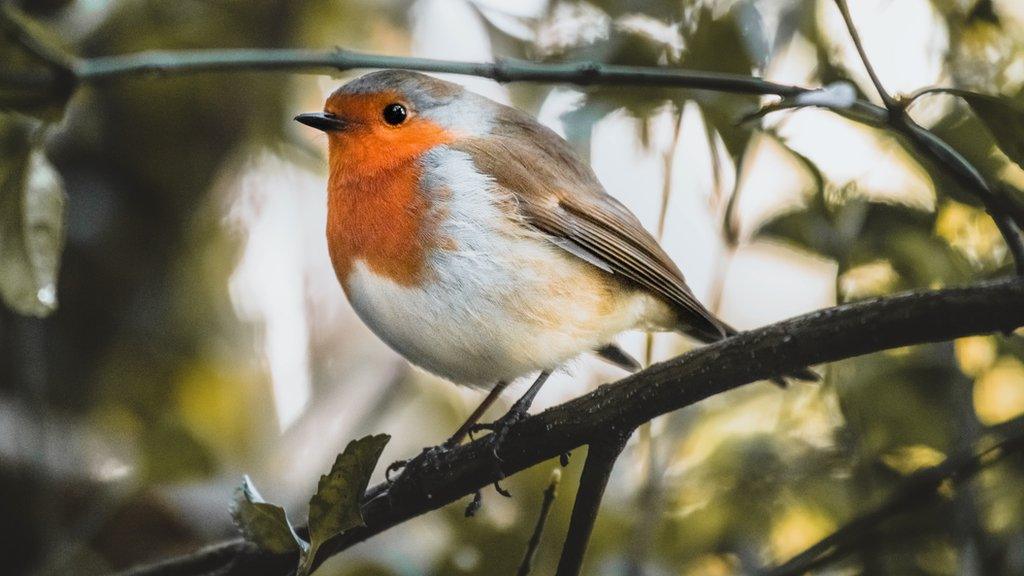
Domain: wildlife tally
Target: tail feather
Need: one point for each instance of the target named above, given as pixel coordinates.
(619, 357)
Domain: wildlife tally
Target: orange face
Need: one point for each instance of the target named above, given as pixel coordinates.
(377, 213)
(382, 132)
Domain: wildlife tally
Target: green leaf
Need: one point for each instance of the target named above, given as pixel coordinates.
(31, 222)
(263, 524)
(335, 506)
(1003, 117)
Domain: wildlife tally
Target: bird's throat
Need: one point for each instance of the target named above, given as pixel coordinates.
(382, 219)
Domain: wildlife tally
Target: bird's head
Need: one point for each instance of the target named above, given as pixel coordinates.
(385, 119)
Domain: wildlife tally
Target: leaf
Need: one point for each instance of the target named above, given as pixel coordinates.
(31, 222)
(263, 524)
(1003, 117)
(335, 506)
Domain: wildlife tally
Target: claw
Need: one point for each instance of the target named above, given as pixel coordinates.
(474, 505)
(502, 491)
(394, 467)
(428, 458)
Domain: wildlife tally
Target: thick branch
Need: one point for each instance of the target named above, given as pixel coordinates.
(824, 336)
(920, 489)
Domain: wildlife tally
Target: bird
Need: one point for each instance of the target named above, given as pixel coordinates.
(476, 243)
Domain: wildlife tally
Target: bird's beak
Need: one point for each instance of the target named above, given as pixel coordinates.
(321, 121)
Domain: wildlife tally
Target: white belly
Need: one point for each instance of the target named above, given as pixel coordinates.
(480, 324)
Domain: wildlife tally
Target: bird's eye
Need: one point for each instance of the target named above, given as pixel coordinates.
(395, 114)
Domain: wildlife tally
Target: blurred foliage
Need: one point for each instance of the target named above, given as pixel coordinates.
(31, 222)
(143, 386)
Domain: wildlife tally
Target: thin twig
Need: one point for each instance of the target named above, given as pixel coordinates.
(157, 63)
(163, 64)
(920, 489)
(19, 27)
(550, 493)
(887, 99)
(601, 459)
(945, 155)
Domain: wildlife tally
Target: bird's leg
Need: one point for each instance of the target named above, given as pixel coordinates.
(500, 427)
(475, 417)
(430, 455)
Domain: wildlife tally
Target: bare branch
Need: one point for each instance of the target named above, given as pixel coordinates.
(945, 155)
(550, 493)
(824, 336)
(503, 70)
(920, 489)
(177, 63)
(887, 99)
(601, 459)
(20, 28)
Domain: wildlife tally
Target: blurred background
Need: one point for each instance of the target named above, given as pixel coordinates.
(200, 333)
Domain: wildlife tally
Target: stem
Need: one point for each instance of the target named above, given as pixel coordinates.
(887, 99)
(550, 493)
(157, 63)
(601, 459)
(66, 73)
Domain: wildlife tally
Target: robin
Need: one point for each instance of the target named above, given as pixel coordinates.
(476, 243)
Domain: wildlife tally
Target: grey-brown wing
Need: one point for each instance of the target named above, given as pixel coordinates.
(560, 196)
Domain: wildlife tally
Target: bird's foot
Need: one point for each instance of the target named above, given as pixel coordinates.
(474, 505)
(499, 429)
(428, 458)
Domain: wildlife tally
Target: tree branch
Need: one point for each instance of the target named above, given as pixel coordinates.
(824, 336)
(601, 457)
(887, 99)
(550, 493)
(922, 488)
(19, 27)
(933, 147)
(67, 73)
(156, 63)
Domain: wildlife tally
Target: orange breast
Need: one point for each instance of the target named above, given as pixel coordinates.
(384, 221)
(376, 210)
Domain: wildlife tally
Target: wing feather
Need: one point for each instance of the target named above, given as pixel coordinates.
(560, 196)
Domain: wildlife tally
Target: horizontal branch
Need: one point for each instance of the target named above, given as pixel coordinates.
(824, 336)
(157, 63)
(66, 72)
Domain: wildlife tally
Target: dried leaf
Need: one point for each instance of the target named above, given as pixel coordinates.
(263, 524)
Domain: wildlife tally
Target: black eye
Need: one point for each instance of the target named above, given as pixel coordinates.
(395, 114)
